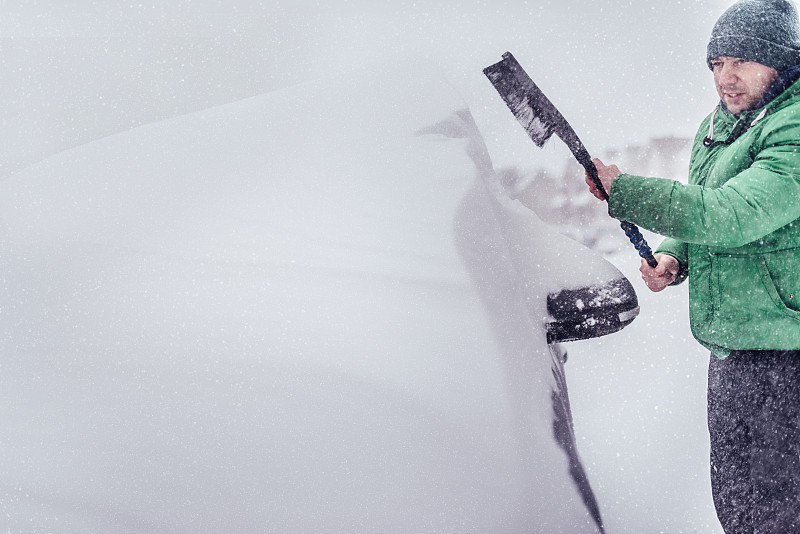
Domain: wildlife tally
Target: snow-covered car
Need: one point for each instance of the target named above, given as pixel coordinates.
(314, 310)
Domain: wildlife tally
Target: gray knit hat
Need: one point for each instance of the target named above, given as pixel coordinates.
(764, 31)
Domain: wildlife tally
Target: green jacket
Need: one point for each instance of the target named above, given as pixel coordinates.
(735, 227)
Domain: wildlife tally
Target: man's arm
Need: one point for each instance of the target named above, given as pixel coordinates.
(666, 272)
(752, 204)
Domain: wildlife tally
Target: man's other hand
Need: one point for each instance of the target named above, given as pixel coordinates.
(662, 275)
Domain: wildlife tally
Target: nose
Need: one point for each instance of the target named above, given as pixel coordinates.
(727, 74)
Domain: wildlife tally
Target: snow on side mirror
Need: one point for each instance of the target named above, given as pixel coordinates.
(586, 296)
(591, 311)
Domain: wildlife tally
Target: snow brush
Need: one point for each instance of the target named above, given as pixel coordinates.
(541, 120)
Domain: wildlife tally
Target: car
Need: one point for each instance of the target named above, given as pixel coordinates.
(313, 310)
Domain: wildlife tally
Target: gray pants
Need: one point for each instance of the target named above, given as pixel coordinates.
(754, 422)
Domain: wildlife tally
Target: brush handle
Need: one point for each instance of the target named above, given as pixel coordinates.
(631, 230)
(541, 119)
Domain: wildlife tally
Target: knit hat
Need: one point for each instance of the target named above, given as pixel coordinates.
(764, 31)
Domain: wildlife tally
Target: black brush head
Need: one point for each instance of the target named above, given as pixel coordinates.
(522, 97)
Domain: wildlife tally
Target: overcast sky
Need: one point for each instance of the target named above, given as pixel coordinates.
(621, 72)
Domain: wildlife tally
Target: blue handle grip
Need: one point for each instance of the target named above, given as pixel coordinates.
(636, 237)
(631, 230)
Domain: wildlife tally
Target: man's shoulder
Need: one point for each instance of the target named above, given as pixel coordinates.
(785, 117)
(704, 128)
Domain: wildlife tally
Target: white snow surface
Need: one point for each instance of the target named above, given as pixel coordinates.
(309, 311)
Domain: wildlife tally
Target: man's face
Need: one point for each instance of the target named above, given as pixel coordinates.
(741, 84)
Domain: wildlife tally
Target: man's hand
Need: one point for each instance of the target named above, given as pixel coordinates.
(607, 176)
(662, 275)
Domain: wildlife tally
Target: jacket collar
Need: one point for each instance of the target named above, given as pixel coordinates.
(784, 80)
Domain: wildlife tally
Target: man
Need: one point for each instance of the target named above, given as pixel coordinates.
(734, 230)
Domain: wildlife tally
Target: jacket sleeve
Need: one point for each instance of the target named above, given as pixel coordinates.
(752, 204)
